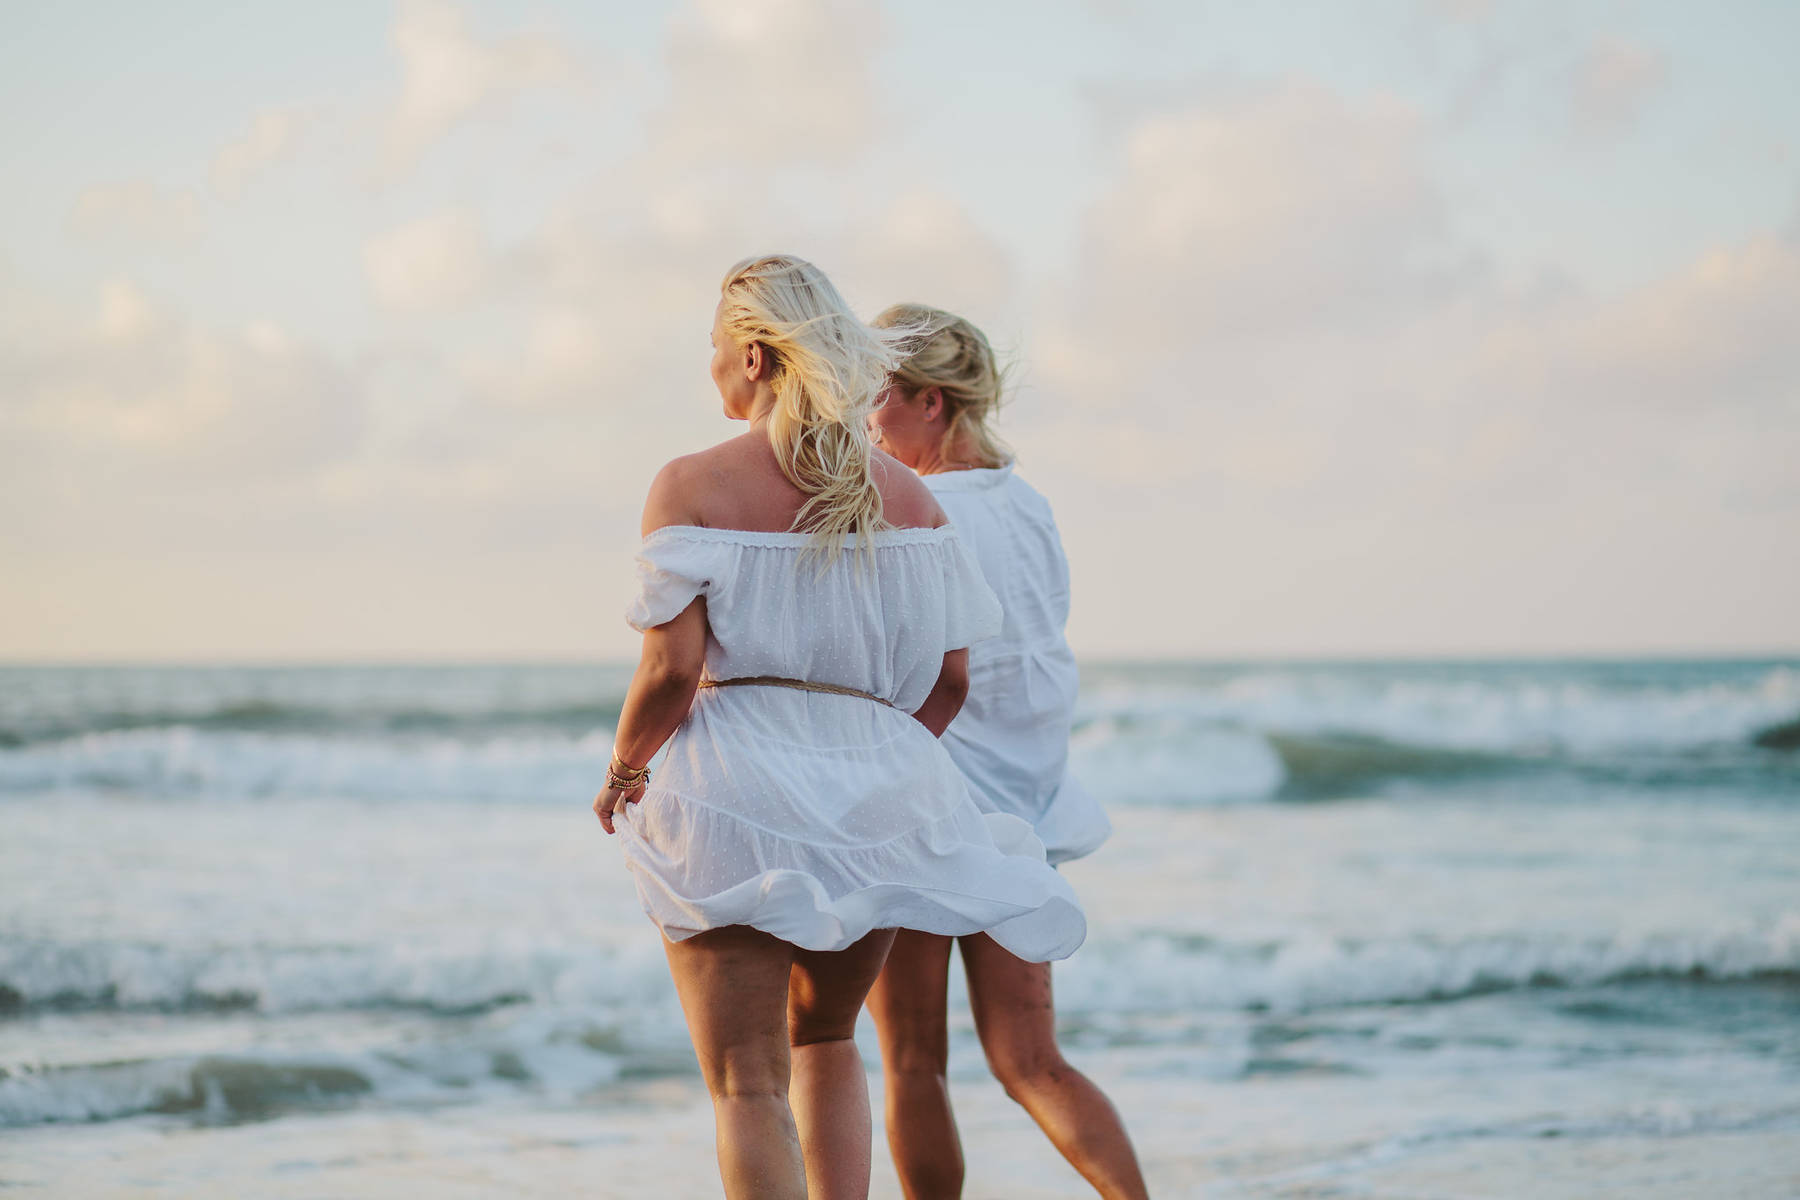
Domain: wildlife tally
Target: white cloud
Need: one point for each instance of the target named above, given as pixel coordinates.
(129, 382)
(1468, 12)
(1248, 246)
(770, 81)
(272, 135)
(434, 263)
(1613, 83)
(926, 248)
(1716, 335)
(1274, 340)
(449, 73)
(126, 315)
(1271, 294)
(1266, 212)
(135, 210)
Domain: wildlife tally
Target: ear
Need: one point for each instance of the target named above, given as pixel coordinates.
(754, 361)
(931, 403)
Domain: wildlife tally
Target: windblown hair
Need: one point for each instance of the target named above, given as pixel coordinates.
(826, 368)
(947, 352)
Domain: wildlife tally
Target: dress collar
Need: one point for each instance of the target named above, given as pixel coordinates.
(976, 479)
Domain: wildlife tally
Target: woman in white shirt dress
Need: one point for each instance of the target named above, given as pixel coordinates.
(1011, 741)
(806, 613)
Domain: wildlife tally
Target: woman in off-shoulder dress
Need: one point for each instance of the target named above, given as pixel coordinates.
(1011, 741)
(806, 613)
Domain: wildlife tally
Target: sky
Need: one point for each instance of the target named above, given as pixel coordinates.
(351, 331)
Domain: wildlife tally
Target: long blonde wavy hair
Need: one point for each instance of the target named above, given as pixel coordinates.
(826, 369)
(949, 353)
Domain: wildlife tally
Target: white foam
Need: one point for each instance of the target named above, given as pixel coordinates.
(1203, 739)
(1520, 714)
(184, 761)
(287, 980)
(590, 1019)
(1146, 972)
(1166, 763)
(1311, 972)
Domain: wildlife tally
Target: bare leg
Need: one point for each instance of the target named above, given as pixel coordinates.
(908, 1006)
(1016, 1020)
(733, 984)
(827, 1087)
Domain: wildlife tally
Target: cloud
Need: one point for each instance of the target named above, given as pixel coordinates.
(130, 382)
(1263, 213)
(135, 210)
(925, 247)
(435, 263)
(450, 74)
(770, 81)
(1271, 308)
(272, 135)
(1613, 84)
(1714, 336)
(1466, 12)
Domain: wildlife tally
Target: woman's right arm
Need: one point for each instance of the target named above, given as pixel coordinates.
(947, 694)
(661, 692)
(673, 656)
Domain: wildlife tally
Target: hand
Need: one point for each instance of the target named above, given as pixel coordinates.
(611, 800)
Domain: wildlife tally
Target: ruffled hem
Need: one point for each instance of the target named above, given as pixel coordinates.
(965, 873)
(1073, 824)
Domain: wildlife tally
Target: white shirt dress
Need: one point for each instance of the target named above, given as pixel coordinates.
(1011, 738)
(820, 817)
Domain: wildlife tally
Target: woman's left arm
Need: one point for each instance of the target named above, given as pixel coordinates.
(661, 692)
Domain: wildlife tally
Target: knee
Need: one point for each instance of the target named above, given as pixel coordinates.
(814, 1033)
(747, 1077)
(1024, 1073)
(915, 1059)
(808, 1025)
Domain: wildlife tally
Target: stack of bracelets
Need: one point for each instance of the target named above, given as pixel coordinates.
(624, 778)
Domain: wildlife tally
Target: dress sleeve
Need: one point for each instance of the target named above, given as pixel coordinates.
(972, 611)
(671, 571)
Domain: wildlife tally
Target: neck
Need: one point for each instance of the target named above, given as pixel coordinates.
(761, 406)
(937, 458)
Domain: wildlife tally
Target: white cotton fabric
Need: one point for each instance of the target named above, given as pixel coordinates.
(820, 817)
(1011, 739)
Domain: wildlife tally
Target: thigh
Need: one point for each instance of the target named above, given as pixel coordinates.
(733, 986)
(1015, 1013)
(826, 989)
(908, 1000)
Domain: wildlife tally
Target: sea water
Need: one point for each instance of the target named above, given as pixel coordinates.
(1362, 929)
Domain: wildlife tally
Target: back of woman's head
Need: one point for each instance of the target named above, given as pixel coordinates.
(825, 367)
(947, 352)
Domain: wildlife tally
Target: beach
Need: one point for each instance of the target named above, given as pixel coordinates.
(1399, 929)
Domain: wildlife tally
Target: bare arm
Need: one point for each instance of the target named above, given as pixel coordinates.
(947, 694)
(661, 692)
(668, 671)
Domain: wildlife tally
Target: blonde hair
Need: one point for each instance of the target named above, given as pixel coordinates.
(947, 352)
(826, 367)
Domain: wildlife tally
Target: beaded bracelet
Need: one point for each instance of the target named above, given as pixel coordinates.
(625, 778)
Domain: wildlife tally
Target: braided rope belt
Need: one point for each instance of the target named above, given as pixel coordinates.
(799, 685)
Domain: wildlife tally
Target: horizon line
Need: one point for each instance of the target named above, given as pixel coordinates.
(1128, 659)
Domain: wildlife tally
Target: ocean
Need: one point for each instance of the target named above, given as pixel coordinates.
(1373, 929)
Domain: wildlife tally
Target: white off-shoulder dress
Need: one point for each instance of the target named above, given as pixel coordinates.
(819, 817)
(1011, 738)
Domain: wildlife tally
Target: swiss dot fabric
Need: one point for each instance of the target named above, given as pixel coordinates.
(821, 817)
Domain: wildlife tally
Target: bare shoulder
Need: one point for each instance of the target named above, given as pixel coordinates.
(720, 486)
(675, 493)
(905, 500)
